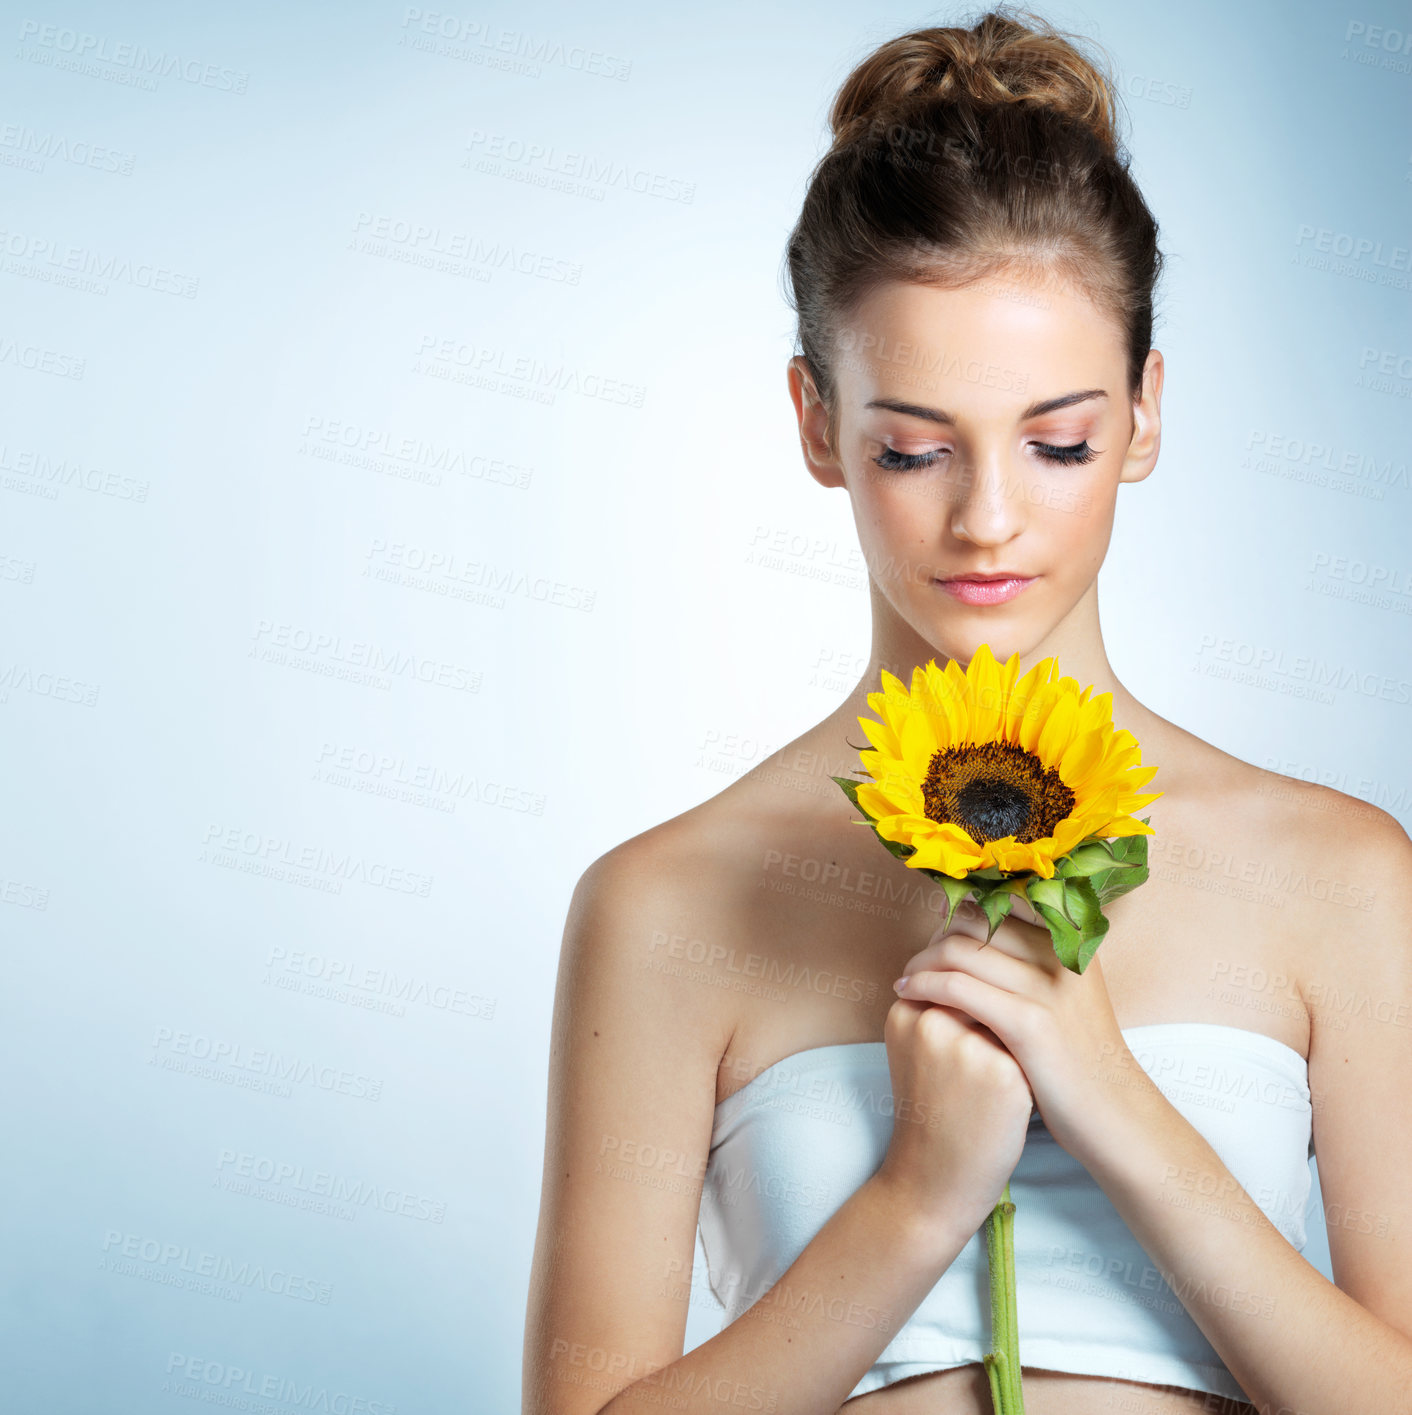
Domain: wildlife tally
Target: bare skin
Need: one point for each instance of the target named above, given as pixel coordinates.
(643, 1052)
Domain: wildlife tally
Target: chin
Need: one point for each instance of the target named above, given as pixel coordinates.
(962, 647)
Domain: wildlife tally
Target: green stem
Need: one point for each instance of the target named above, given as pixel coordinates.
(994, 1368)
(1003, 1363)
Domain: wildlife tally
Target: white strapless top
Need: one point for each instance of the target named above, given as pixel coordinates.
(795, 1142)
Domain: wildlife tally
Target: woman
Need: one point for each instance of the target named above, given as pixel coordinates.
(973, 272)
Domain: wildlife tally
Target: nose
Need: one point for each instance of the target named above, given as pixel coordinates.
(987, 502)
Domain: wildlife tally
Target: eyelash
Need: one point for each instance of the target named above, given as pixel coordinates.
(1073, 456)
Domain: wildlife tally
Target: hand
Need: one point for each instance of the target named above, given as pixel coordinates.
(961, 1109)
(1059, 1025)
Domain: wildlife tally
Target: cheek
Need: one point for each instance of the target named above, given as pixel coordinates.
(1077, 524)
(888, 513)
(910, 504)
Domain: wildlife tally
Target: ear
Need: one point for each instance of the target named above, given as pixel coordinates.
(813, 419)
(1146, 440)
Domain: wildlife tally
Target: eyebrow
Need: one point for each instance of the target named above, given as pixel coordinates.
(938, 415)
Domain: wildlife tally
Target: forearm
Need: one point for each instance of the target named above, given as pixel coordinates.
(802, 1347)
(1292, 1339)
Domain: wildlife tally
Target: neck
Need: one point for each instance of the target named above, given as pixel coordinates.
(1076, 641)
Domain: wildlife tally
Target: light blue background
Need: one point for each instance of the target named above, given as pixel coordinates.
(169, 526)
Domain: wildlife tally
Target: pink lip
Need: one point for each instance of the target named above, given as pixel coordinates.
(985, 589)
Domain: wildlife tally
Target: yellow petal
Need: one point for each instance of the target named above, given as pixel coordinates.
(1011, 855)
(948, 849)
(1018, 707)
(983, 696)
(1054, 740)
(1136, 803)
(918, 743)
(1037, 711)
(893, 795)
(1067, 834)
(950, 702)
(1083, 754)
(944, 708)
(882, 737)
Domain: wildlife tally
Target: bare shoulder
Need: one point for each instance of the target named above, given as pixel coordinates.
(1342, 868)
(761, 919)
(1347, 851)
(653, 929)
(636, 1044)
(640, 909)
(1295, 842)
(1356, 973)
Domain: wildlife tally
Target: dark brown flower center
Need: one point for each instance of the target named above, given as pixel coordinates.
(995, 789)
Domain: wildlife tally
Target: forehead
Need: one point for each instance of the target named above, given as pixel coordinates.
(999, 343)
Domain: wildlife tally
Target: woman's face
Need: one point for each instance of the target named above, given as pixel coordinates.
(959, 463)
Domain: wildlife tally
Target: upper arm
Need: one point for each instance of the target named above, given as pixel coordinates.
(1359, 986)
(633, 1064)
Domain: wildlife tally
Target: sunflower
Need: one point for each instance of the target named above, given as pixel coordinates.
(989, 770)
(999, 785)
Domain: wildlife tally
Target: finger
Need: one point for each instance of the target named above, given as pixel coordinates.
(1012, 936)
(962, 954)
(953, 1014)
(979, 1000)
(971, 955)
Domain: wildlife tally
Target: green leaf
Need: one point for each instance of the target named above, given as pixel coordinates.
(1113, 883)
(996, 904)
(1062, 934)
(903, 852)
(1132, 847)
(1081, 904)
(1084, 860)
(1049, 892)
(1127, 870)
(1088, 947)
(1087, 914)
(1073, 915)
(1087, 860)
(850, 788)
(956, 892)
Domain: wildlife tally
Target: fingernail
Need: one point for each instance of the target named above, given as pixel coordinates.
(900, 983)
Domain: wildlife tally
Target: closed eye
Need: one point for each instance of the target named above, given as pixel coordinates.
(894, 461)
(1067, 456)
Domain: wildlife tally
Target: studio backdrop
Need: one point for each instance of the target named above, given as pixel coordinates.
(402, 506)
